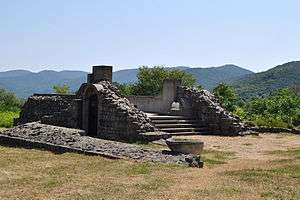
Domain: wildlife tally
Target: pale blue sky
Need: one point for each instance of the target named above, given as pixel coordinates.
(75, 34)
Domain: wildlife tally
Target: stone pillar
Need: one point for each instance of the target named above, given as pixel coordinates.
(102, 73)
(169, 94)
(169, 90)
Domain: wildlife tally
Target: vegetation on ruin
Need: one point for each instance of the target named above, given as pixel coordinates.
(61, 89)
(226, 96)
(10, 106)
(150, 80)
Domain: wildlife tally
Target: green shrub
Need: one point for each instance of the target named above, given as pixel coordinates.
(280, 109)
(7, 118)
(226, 95)
(10, 106)
(61, 89)
(9, 101)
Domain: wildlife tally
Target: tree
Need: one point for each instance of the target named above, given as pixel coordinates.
(125, 89)
(226, 96)
(150, 80)
(61, 89)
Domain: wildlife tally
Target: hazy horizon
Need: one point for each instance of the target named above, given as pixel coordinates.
(75, 35)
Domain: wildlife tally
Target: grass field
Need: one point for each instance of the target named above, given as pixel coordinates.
(256, 173)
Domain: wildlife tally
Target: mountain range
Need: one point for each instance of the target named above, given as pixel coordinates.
(247, 83)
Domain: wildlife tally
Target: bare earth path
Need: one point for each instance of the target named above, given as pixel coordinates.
(251, 147)
(251, 167)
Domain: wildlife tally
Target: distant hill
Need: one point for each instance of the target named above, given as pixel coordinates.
(261, 84)
(24, 83)
(125, 76)
(209, 78)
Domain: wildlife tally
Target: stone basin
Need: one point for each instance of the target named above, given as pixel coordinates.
(186, 146)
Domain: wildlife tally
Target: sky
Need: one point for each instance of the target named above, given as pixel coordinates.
(77, 34)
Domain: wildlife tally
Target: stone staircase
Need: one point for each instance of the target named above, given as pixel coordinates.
(176, 125)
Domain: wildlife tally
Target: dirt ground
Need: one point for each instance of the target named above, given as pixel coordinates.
(251, 146)
(251, 167)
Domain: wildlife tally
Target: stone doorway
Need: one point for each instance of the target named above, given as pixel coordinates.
(92, 115)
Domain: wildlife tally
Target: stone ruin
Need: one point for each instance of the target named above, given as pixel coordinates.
(102, 111)
(93, 120)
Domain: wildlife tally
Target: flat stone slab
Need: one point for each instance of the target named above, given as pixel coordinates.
(54, 138)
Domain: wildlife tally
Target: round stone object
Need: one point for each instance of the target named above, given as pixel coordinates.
(186, 146)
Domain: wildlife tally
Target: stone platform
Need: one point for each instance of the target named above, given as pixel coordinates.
(59, 139)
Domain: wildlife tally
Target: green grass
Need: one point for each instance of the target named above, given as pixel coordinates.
(292, 171)
(288, 154)
(7, 118)
(214, 157)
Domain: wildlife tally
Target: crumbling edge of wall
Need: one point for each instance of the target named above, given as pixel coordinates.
(208, 112)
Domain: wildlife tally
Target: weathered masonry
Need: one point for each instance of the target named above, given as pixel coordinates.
(100, 110)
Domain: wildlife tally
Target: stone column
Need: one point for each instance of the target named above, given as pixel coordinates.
(169, 90)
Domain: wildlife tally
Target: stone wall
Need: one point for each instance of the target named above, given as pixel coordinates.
(160, 103)
(207, 110)
(54, 109)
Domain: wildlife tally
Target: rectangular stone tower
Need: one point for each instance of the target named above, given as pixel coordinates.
(100, 73)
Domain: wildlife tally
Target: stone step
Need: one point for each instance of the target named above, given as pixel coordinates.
(188, 129)
(171, 121)
(176, 125)
(154, 136)
(185, 133)
(168, 117)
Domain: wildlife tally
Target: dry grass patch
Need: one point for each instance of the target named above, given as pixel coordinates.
(227, 174)
(35, 174)
(279, 180)
(276, 183)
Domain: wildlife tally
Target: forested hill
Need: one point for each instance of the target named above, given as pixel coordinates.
(210, 77)
(261, 84)
(24, 83)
